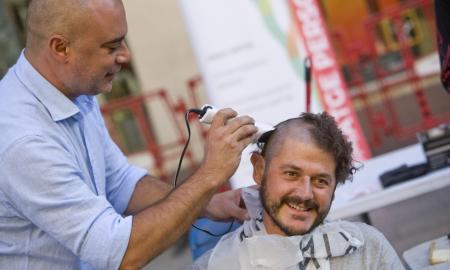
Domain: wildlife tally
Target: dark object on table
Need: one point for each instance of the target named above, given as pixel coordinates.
(436, 145)
(403, 173)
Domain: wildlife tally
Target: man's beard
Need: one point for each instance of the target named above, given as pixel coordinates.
(273, 207)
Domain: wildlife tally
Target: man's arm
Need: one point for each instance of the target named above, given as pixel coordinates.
(149, 190)
(158, 226)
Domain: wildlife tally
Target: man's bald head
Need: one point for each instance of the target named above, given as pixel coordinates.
(49, 17)
(68, 18)
(318, 129)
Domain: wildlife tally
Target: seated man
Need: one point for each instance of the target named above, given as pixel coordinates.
(297, 168)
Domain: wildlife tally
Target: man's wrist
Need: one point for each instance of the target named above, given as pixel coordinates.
(210, 178)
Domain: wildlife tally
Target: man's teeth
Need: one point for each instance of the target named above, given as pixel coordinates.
(298, 207)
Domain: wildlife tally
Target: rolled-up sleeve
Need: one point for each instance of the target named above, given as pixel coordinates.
(121, 177)
(42, 180)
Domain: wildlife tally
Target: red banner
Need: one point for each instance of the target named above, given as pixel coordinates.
(326, 73)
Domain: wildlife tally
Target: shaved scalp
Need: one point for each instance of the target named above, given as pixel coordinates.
(293, 129)
(318, 129)
(68, 18)
(49, 17)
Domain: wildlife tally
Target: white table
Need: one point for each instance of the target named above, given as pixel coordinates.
(365, 193)
(418, 256)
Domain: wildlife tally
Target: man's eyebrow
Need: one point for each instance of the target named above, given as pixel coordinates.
(324, 175)
(116, 40)
(296, 168)
(292, 167)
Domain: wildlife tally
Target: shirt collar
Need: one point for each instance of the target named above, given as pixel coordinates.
(59, 106)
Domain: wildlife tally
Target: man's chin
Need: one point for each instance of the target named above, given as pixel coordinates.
(294, 227)
(301, 225)
(105, 89)
(298, 230)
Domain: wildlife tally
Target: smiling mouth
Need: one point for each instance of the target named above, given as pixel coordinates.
(298, 207)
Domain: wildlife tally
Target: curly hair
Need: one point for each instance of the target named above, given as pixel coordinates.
(326, 134)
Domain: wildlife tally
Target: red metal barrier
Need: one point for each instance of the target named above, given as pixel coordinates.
(402, 28)
(161, 152)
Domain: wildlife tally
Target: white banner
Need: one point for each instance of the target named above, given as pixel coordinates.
(251, 59)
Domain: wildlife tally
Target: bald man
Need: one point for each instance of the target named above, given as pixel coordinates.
(297, 169)
(68, 197)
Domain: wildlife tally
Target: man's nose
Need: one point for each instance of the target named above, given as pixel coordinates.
(124, 54)
(304, 188)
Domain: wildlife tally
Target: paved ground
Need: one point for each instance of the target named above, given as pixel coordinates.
(176, 258)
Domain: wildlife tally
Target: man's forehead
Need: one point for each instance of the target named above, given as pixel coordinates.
(110, 21)
(293, 150)
(295, 146)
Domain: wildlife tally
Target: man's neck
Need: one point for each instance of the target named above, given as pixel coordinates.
(43, 65)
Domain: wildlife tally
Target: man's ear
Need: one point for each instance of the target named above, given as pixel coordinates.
(258, 163)
(59, 47)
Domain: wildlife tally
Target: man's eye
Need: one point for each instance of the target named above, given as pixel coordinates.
(291, 173)
(113, 48)
(321, 181)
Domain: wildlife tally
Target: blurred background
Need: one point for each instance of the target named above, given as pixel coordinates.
(386, 51)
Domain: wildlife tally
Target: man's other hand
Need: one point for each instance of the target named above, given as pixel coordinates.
(225, 206)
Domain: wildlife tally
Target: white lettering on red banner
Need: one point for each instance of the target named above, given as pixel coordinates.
(329, 81)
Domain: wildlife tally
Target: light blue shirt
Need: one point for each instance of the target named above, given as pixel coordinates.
(63, 183)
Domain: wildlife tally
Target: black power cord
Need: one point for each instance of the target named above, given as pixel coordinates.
(186, 119)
